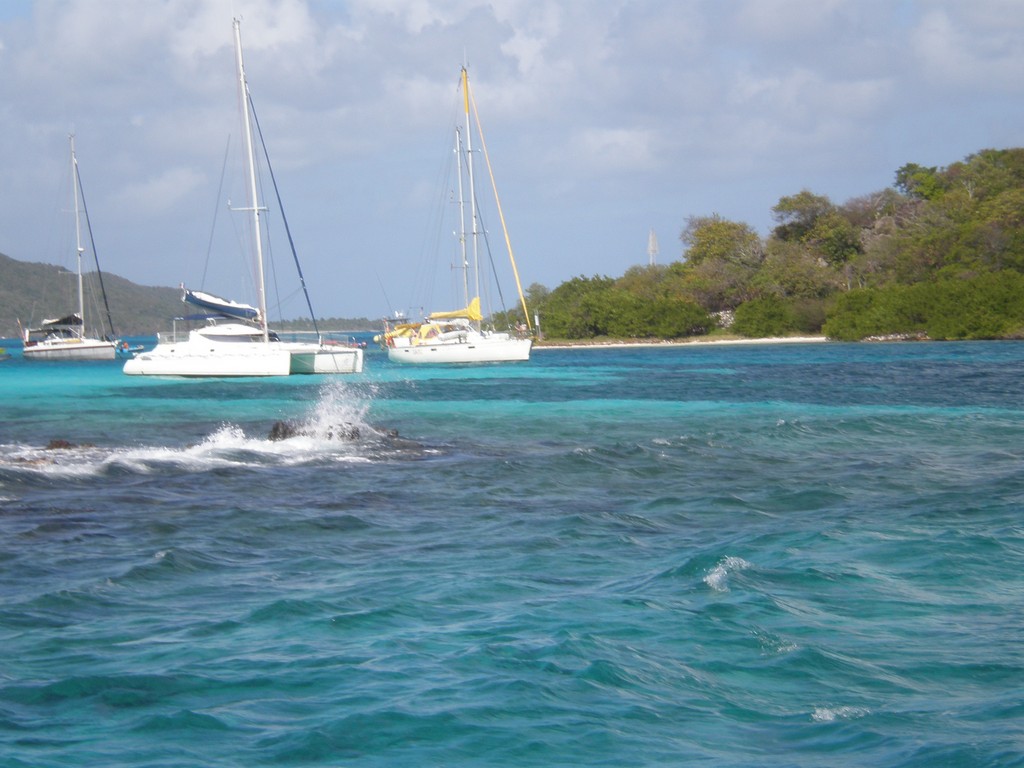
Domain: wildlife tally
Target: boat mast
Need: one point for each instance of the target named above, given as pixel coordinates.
(501, 215)
(462, 218)
(243, 95)
(78, 236)
(474, 220)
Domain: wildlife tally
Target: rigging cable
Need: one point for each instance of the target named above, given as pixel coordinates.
(501, 215)
(95, 256)
(216, 208)
(280, 206)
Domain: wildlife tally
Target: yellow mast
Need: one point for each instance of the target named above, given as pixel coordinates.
(467, 96)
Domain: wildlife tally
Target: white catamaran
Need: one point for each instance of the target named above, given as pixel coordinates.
(64, 338)
(459, 336)
(243, 346)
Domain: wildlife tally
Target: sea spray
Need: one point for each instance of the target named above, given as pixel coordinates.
(339, 413)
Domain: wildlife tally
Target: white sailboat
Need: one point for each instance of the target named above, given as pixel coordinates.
(458, 336)
(64, 338)
(244, 345)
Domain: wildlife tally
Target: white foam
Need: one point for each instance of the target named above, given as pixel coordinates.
(718, 577)
(335, 429)
(339, 413)
(829, 714)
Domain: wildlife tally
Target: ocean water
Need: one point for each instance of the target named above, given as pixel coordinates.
(786, 555)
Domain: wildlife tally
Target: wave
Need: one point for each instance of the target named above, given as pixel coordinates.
(335, 430)
(830, 714)
(718, 577)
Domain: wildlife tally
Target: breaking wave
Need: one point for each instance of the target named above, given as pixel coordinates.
(335, 429)
(718, 577)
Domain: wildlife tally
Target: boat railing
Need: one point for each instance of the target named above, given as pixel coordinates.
(171, 337)
(178, 333)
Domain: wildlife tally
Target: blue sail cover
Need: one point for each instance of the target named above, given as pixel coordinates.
(220, 306)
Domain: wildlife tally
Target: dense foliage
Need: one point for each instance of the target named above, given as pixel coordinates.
(599, 306)
(938, 255)
(988, 306)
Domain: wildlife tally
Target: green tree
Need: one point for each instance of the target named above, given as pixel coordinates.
(584, 308)
(794, 270)
(647, 282)
(987, 306)
(536, 295)
(674, 319)
(718, 285)
(918, 181)
(797, 214)
(869, 212)
(722, 259)
(712, 238)
(570, 311)
(834, 237)
(996, 237)
(767, 317)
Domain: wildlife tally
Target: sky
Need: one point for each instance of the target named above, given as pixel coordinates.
(605, 120)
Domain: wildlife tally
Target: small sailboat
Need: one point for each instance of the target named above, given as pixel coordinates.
(460, 336)
(236, 340)
(65, 338)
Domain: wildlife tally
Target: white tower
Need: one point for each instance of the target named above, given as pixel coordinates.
(652, 248)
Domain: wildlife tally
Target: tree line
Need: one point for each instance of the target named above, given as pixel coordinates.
(938, 255)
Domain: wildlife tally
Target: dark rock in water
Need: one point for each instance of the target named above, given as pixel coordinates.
(343, 432)
(64, 445)
(393, 440)
(282, 430)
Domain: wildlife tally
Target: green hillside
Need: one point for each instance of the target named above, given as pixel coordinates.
(939, 255)
(30, 292)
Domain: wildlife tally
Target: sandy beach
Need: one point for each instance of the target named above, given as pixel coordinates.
(682, 343)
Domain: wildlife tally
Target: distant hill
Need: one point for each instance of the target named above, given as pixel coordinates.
(30, 291)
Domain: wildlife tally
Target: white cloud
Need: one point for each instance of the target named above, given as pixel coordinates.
(971, 47)
(602, 111)
(601, 150)
(789, 20)
(158, 194)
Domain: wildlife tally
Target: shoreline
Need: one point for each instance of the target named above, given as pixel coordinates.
(692, 342)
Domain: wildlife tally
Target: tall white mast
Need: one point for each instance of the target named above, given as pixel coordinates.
(652, 248)
(472, 190)
(464, 266)
(78, 235)
(243, 95)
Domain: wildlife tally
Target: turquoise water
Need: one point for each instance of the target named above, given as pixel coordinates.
(791, 555)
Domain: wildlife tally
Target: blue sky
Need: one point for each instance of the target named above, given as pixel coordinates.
(604, 120)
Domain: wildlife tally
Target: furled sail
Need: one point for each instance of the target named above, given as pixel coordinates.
(471, 312)
(221, 306)
(72, 320)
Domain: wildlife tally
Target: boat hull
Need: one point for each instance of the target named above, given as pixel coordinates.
(327, 360)
(71, 350)
(186, 359)
(192, 359)
(474, 351)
